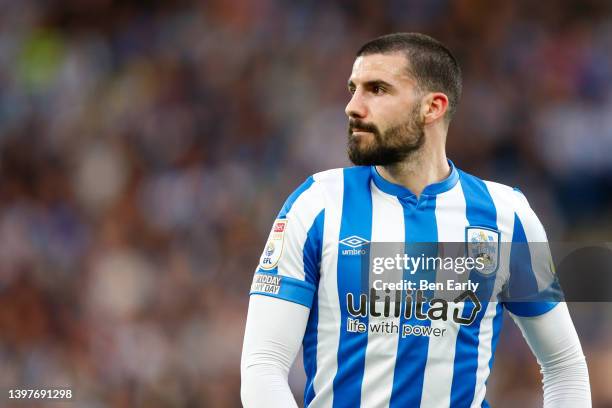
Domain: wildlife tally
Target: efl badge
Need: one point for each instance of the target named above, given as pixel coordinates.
(483, 246)
(274, 247)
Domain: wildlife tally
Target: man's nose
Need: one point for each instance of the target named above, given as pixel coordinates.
(356, 108)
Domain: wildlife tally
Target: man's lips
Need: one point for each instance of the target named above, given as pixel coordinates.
(356, 130)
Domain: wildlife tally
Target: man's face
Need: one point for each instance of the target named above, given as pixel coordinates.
(385, 120)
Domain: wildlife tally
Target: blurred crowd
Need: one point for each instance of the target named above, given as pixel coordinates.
(145, 148)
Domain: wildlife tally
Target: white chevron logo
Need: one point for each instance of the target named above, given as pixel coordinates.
(354, 241)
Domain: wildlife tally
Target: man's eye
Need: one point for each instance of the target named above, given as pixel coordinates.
(378, 89)
(351, 90)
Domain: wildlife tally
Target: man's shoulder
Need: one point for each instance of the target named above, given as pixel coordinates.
(315, 187)
(328, 176)
(333, 178)
(500, 193)
(332, 175)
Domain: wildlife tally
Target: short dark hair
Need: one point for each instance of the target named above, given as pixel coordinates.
(430, 63)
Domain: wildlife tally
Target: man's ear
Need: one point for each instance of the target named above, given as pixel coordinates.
(435, 105)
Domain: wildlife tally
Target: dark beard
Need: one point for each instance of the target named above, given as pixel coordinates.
(394, 146)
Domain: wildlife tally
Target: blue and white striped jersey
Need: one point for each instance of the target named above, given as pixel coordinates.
(374, 359)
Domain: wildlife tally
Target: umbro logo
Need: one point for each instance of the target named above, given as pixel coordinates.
(355, 243)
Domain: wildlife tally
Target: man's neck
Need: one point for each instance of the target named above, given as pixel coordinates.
(418, 171)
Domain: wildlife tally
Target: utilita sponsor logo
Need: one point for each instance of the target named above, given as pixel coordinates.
(414, 305)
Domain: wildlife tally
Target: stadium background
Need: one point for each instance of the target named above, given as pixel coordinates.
(145, 149)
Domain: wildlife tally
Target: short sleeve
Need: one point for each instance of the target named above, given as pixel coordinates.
(532, 287)
(289, 265)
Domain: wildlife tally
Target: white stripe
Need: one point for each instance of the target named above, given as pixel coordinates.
(504, 206)
(381, 351)
(485, 338)
(438, 378)
(328, 329)
(541, 258)
(505, 202)
(300, 218)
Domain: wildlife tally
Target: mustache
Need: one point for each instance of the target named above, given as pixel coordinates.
(356, 124)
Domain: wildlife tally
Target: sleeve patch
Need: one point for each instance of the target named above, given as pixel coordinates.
(274, 246)
(266, 283)
(283, 287)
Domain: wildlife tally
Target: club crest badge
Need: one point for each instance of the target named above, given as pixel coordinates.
(483, 244)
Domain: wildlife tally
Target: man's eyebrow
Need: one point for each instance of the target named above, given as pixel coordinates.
(374, 82)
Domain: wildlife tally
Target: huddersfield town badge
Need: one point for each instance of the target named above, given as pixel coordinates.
(483, 246)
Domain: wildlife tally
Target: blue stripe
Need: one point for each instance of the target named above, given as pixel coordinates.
(312, 249)
(480, 212)
(312, 262)
(294, 196)
(523, 297)
(309, 354)
(287, 207)
(497, 325)
(530, 309)
(356, 220)
(421, 235)
(498, 321)
(523, 283)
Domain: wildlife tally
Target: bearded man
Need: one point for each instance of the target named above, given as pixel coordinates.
(371, 343)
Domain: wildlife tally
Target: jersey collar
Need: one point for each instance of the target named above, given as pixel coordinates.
(401, 191)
